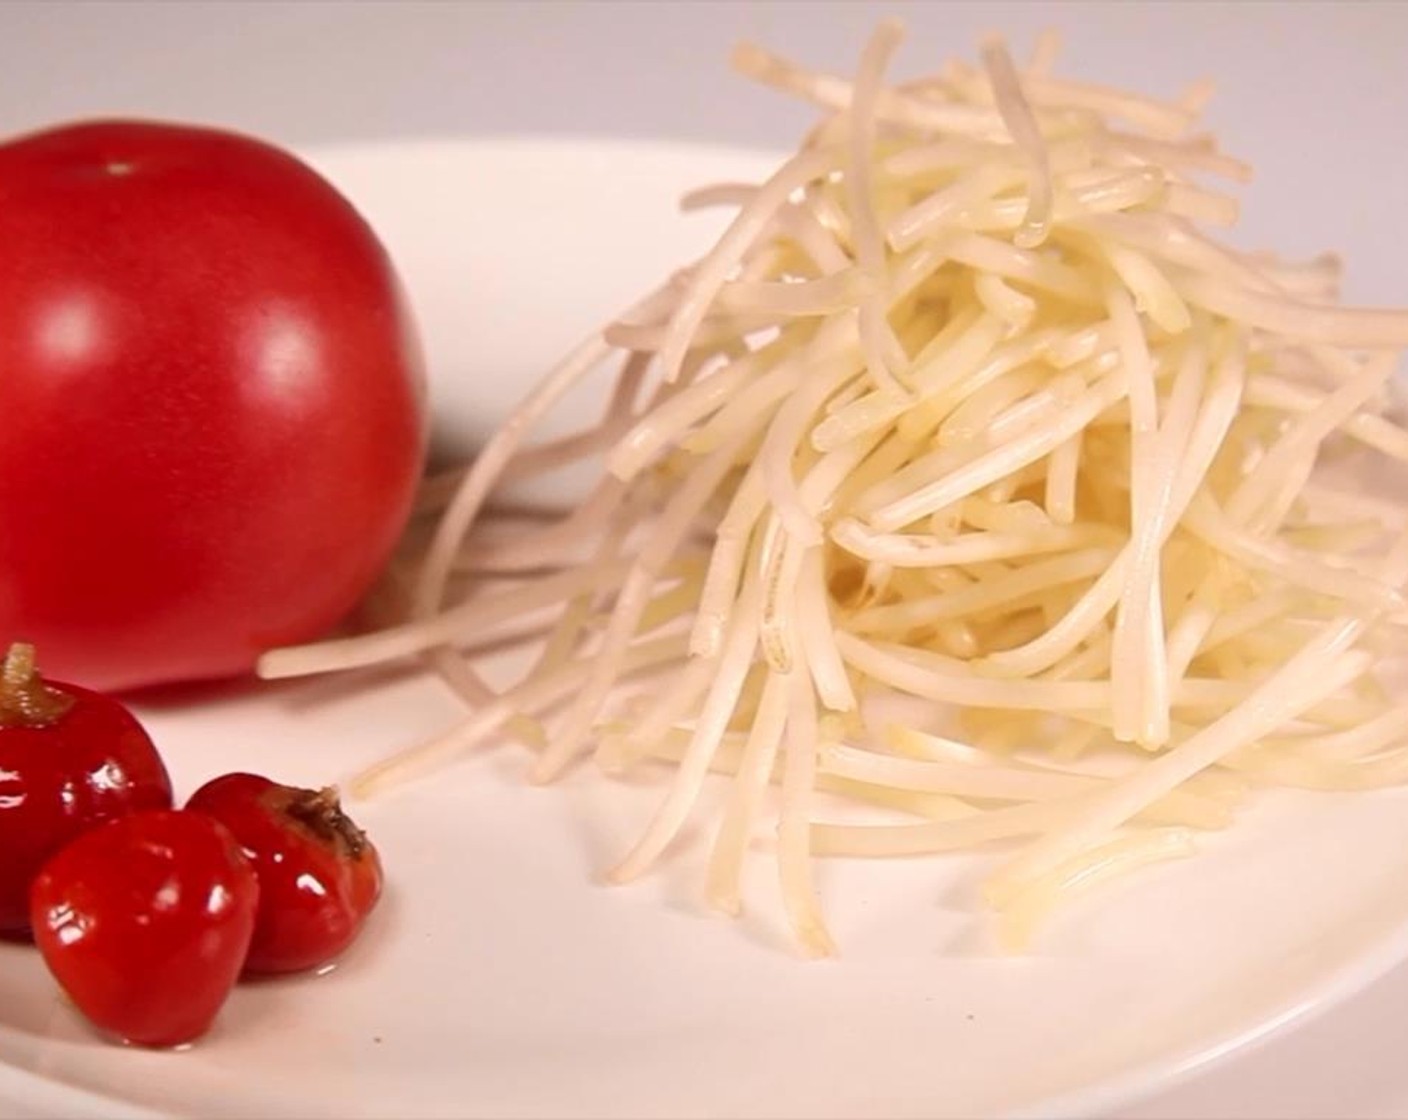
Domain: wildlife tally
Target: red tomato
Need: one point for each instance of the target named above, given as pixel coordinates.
(319, 875)
(145, 922)
(212, 401)
(69, 759)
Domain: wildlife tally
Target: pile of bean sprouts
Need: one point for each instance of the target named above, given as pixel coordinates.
(967, 491)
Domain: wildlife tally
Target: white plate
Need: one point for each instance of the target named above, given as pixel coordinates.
(500, 979)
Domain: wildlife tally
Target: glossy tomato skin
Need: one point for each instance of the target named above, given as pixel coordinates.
(212, 401)
(145, 922)
(319, 875)
(92, 763)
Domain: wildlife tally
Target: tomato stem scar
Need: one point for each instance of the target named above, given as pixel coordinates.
(25, 700)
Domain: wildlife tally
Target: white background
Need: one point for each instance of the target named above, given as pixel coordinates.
(1315, 95)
